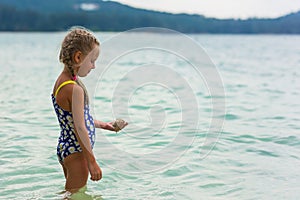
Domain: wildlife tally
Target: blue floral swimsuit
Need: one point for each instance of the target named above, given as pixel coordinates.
(67, 141)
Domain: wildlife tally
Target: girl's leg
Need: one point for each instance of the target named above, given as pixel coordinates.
(64, 169)
(77, 172)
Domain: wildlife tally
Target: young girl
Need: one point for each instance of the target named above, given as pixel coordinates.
(79, 51)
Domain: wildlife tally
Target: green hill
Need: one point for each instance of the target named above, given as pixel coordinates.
(55, 15)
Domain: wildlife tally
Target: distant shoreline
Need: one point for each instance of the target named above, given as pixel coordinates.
(55, 16)
(96, 31)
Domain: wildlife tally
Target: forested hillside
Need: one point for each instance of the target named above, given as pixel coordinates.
(56, 15)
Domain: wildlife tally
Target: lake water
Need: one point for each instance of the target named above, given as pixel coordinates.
(233, 133)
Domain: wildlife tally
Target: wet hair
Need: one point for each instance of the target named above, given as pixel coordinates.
(78, 39)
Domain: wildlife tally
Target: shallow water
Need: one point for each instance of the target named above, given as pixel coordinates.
(255, 157)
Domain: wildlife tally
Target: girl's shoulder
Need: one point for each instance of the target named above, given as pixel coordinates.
(63, 82)
(63, 93)
(65, 86)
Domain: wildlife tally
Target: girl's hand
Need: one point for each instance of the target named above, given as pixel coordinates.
(95, 171)
(116, 125)
(109, 126)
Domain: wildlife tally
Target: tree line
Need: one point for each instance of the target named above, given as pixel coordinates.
(13, 19)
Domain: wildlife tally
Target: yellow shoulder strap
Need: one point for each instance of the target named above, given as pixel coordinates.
(62, 85)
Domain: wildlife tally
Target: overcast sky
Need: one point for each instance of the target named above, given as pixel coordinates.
(221, 8)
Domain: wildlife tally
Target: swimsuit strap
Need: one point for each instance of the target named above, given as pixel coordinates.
(62, 85)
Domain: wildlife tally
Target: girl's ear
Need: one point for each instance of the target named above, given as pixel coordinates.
(78, 57)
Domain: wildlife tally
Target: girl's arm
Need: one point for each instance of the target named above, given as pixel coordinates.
(82, 132)
(104, 125)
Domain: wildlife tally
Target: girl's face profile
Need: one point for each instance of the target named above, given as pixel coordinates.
(88, 62)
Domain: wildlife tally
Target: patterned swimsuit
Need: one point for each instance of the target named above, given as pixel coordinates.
(67, 141)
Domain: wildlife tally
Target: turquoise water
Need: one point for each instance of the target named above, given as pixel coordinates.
(256, 156)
